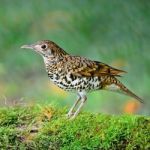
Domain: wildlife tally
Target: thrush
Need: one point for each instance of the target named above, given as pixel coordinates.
(78, 74)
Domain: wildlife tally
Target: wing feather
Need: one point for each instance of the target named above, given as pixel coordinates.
(80, 66)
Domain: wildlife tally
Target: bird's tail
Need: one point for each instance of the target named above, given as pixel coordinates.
(117, 86)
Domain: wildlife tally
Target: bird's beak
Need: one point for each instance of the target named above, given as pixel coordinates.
(28, 46)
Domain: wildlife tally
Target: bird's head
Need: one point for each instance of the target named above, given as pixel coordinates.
(47, 49)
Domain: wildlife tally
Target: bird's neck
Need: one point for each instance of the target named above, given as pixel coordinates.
(50, 62)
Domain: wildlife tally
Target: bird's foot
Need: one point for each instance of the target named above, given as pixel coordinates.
(72, 117)
(69, 115)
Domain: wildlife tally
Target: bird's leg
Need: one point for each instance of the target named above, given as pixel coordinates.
(70, 113)
(79, 108)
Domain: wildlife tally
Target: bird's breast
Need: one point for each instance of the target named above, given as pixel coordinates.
(71, 82)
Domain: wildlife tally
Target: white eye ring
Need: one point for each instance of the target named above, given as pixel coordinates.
(44, 46)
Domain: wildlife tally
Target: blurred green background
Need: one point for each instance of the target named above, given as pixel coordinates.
(115, 32)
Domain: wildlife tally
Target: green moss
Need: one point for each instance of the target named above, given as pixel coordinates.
(47, 128)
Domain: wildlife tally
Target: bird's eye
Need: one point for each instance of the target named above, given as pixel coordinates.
(43, 46)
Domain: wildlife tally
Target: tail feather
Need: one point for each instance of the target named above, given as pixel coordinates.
(117, 86)
(129, 93)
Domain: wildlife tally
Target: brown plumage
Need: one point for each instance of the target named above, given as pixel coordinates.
(79, 74)
(83, 67)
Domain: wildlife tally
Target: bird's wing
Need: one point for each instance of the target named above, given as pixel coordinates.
(80, 66)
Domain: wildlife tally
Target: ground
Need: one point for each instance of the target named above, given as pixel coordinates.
(46, 127)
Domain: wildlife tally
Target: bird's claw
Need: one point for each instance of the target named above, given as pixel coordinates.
(69, 115)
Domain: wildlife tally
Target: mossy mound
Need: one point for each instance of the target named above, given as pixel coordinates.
(47, 128)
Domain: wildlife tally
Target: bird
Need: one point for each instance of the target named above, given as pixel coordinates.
(78, 74)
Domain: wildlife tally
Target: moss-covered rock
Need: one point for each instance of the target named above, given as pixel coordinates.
(47, 128)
